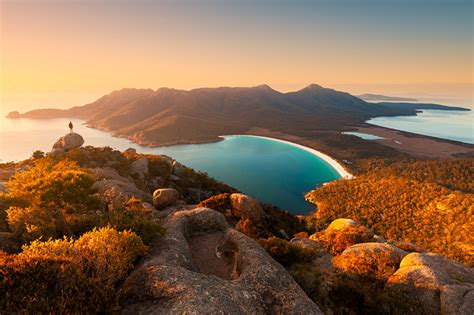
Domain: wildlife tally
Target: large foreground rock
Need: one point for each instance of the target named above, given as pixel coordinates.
(165, 197)
(140, 166)
(341, 223)
(115, 189)
(245, 207)
(202, 266)
(439, 284)
(69, 141)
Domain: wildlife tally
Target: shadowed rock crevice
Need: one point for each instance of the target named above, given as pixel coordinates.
(214, 254)
(202, 266)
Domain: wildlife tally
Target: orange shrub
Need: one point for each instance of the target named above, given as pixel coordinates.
(336, 242)
(67, 276)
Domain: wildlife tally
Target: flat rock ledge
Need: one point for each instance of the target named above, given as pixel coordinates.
(202, 266)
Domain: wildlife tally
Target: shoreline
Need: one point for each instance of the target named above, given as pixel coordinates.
(326, 158)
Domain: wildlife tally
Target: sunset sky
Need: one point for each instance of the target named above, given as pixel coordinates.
(66, 53)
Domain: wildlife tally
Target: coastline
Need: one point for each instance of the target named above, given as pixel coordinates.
(329, 160)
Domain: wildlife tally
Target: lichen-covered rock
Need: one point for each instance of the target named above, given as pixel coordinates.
(116, 188)
(245, 207)
(427, 275)
(140, 166)
(164, 197)
(130, 151)
(202, 266)
(375, 259)
(56, 151)
(340, 224)
(69, 141)
(178, 169)
(306, 243)
(457, 299)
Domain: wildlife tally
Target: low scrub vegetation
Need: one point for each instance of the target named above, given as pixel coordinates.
(429, 203)
(68, 276)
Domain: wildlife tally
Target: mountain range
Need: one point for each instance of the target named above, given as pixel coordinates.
(170, 116)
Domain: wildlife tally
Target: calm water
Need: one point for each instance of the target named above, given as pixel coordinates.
(271, 171)
(365, 136)
(452, 125)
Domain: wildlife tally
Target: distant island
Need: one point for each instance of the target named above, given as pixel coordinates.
(169, 116)
(14, 115)
(377, 97)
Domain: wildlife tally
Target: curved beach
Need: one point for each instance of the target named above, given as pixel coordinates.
(332, 162)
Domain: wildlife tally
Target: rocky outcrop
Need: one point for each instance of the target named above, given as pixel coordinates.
(56, 151)
(165, 197)
(140, 167)
(378, 259)
(178, 169)
(130, 151)
(116, 189)
(245, 207)
(202, 266)
(69, 141)
(457, 299)
(439, 284)
(340, 224)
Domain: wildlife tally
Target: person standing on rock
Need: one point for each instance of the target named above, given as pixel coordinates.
(70, 126)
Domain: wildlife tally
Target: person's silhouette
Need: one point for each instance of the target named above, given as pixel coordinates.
(70, 126)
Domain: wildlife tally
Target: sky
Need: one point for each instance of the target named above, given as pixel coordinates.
(68, 53)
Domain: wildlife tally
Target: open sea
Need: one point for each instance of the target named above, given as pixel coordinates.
(451, 125)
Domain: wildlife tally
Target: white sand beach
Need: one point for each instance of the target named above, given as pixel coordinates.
(334, 164)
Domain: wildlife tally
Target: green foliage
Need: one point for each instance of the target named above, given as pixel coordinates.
(67, 276)
(141, 224)
(98, 157)
(38, 154)
(285, 252)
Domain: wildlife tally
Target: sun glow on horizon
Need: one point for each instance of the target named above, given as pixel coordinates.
(62, 54)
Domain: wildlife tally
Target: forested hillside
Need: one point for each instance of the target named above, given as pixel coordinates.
(430, 203)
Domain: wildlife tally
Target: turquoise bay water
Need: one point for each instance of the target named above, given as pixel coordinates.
(452, 125)
(271, 171)
(365, 136)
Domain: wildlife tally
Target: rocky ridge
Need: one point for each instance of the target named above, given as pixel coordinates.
(231, 254)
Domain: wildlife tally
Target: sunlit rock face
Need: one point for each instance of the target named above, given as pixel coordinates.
(69, 141)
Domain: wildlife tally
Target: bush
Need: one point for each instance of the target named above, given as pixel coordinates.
(218, 202)
(48, 197)
(335, 242)
(140, 224)
(38, 154)
(67, 276)
(45, 285)
(285, 252)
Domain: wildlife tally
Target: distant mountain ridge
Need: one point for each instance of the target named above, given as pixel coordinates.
(170, 116)
(380, 98)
